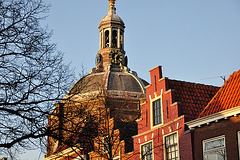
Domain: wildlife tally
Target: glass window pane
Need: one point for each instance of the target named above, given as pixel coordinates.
(171, 147)
(214, 144)
(215, 149)
(147, 151)
(157, 118)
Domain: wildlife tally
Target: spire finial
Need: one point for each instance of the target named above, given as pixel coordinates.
(111, 3)
(112, 8)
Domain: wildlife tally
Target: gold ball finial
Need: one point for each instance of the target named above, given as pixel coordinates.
(111, 3)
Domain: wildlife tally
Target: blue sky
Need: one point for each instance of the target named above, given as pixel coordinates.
(192, 40)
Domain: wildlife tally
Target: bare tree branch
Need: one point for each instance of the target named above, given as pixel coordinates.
(32, 73)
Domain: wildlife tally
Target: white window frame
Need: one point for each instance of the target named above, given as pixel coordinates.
(141, 149)
(238, 133)
(165, 149)
(152, 111)
(214, 149)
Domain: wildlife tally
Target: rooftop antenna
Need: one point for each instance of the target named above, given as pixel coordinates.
(222, 77)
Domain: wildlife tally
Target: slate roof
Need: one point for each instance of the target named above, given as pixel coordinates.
(193, 97)
(227, 97)
(115, 81)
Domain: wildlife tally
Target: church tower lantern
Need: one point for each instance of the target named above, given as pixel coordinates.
(111, 53)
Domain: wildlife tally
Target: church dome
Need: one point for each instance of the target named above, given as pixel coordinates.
(111, 77)
(111, 84)
(111, 17)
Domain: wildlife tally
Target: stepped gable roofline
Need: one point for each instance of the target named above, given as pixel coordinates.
(226, 98)
(193, 96)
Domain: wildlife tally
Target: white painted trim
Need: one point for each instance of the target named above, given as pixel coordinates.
(151, 111)
(213, 117)
(161, 126)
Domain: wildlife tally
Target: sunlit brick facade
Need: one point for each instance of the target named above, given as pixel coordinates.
(168, 105)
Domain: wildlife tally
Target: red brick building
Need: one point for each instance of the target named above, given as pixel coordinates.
(216, 132)
(169, 104)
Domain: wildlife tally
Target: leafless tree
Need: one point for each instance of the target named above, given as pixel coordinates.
(95, 127)
(32, 73)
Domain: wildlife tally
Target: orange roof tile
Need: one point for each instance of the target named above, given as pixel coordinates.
(193, 97)
(227, 97)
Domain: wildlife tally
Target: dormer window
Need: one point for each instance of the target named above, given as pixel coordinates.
(156, 112)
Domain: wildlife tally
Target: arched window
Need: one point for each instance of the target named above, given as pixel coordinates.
(106, 39)
(114, 39)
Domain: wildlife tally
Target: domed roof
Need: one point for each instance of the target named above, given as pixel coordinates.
(110, 83)
(111, 17)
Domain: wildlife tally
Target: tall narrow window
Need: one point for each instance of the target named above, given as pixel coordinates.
(107, 39)
(121, 40)
(146, 151)
(157, 112)
(171, 147)
(214, 149)
(114, 39)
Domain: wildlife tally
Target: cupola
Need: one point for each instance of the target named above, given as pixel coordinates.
(111, 42)
(111, 77)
